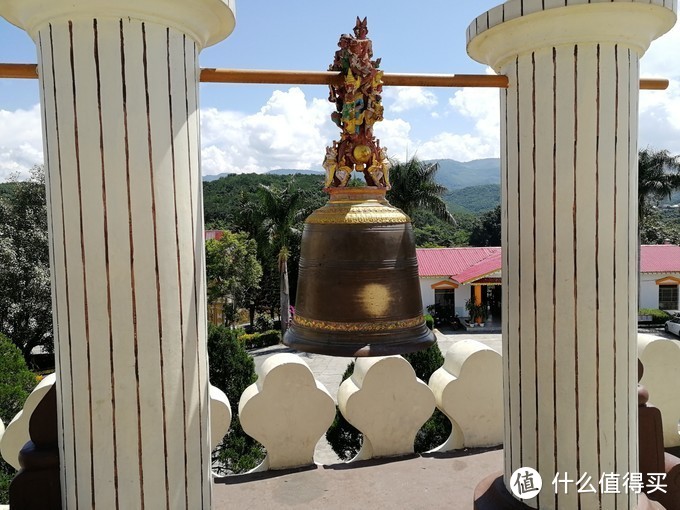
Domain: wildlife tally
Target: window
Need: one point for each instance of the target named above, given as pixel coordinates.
(668, 297)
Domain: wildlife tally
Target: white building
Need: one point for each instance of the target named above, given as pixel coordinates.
(451, 276)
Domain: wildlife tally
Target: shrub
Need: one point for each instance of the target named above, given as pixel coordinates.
(259, 340)
(271, 337)
(263, 323)
(16, 382)
(343, 437)
(658, 316)
(232, 370)
(429, 321)
(346, 440)
(249, 339)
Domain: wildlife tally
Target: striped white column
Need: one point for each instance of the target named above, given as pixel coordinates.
(119, 87)
(569, 218)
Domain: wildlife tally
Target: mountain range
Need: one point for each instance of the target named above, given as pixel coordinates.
(473, 186)
(452, 174)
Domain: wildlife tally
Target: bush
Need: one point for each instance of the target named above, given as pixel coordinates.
(232, 370)
(259, 340)
(658, 316)
(429, 321)
(263, 323)
(343, 437)
(346, 440)
(271, 337)
(16, 382)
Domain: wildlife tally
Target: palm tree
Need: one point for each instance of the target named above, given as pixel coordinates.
(414, 187)
(658, 177)
(282, 210)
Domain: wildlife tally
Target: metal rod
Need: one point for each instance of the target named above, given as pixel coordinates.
(212, 75)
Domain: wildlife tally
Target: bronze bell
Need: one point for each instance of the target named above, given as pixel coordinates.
(358, 292)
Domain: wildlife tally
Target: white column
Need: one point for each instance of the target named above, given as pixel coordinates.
(119, 93)
(569, 217)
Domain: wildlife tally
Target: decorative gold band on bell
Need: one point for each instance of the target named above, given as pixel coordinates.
(358, 289)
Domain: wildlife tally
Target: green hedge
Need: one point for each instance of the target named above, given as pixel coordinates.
(259, 340)
(658, 316)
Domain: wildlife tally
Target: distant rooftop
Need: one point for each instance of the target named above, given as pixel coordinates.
(463, 265)
(659, 258)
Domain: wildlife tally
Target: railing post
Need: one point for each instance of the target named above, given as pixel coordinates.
(569, 219)
(118, 83)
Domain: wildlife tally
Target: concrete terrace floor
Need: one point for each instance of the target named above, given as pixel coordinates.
(418, 482)
(428, 481)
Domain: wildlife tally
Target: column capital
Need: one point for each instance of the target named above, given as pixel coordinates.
(205, 21)
(521, 26)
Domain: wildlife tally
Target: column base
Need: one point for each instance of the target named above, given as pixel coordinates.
(491, 494)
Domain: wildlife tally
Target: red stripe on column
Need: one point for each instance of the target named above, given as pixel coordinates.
(133, 290)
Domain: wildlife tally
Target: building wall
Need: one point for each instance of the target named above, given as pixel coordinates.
(427, 294)
(649, 290)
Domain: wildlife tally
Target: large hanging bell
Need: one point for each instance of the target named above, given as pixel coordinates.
(358, 292)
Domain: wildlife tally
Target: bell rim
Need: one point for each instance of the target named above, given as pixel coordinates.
(346, 344)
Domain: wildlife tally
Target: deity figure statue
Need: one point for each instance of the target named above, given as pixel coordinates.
(358, 106)
(343, 173)
(330, 163)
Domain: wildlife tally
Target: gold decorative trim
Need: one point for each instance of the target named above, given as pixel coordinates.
(349, 327)
(354, 214)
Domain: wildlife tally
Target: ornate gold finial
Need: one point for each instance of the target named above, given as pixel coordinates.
(358, 107)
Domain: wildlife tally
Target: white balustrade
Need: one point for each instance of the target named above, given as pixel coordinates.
(387, 402)
(286, 410)
(661, 360)
(468, 389)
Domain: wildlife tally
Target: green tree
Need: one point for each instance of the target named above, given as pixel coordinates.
(233, 272)
(431, 232)
(655, 231)
(487, 231)
(282, 212)
(658, 177)
(25, 299)
(232, 370)
(16, 382)
(414, 187)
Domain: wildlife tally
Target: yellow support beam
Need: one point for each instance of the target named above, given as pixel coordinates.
(213, 75)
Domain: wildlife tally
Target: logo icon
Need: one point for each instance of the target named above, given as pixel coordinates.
(526, 483)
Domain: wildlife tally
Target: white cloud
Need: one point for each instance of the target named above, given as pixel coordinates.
(20, 142)
(660, 110)
(482, 105)
(395, 134)
(288, 132)
(459, 147)
(401, 99)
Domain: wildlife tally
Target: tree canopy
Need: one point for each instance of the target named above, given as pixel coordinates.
(233, 272)
(658, 177)
(25, 299)
(414, 187)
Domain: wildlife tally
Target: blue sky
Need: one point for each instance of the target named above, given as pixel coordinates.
(261, 127)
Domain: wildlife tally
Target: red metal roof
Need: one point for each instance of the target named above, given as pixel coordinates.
(213, 234)
(464, 265)
(459, 264)
(659, 258)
